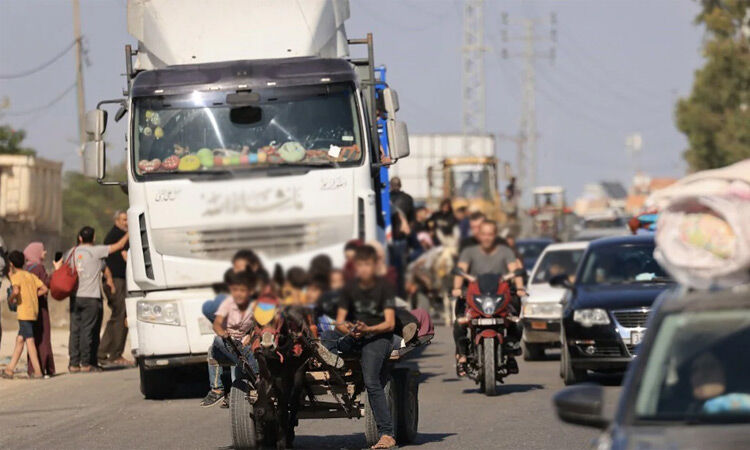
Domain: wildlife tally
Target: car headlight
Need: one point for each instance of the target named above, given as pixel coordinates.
(552, 310)
(590, 317)
(164, 313)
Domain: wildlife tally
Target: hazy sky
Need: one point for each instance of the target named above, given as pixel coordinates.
(620, 66)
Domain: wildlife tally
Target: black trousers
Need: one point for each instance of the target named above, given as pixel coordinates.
(115, 333)
(85, 323)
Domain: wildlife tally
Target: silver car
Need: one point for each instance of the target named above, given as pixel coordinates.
(541, 312)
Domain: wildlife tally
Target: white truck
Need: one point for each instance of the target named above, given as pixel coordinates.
(249, 126)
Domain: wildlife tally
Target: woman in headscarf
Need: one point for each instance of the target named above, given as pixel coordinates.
(35, 254)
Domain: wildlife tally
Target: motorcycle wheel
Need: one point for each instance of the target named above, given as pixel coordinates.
(243, 420)
(489, 369)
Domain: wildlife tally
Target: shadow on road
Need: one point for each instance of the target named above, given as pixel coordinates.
(357, 441)
(508, 389)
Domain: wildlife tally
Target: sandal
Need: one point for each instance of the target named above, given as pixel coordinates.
(6, 375)
(385, 442)
(461, 367)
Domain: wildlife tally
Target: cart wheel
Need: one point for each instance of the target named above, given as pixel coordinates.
(408, 406)
(371, 427)
(243, 420)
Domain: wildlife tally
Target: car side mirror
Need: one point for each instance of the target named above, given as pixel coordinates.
(561, 280)
(398, 139)
(582, 405)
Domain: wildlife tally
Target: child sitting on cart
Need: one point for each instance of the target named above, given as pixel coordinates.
(234, 319)
(366, 317)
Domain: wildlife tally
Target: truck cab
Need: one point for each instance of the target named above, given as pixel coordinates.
(278, 155)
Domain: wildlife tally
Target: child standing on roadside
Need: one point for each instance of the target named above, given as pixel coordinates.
(27, 288)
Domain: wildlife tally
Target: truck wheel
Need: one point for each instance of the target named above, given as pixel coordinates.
(408, 406)
(156, 384)
(371, 427)
(532, 352)
(489, 368)
(243, 421)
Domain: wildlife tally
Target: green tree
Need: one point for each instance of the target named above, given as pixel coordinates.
(10, 141)
(85, 202)
(716, 116)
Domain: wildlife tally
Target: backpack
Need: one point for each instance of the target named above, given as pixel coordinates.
(64, 280)
(6, 290)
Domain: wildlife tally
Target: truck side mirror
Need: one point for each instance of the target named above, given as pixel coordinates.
(398, 139)
(390, 100)
(96, 124)
(93, 159)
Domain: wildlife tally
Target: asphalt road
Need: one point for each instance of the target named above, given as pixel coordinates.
(106, 410)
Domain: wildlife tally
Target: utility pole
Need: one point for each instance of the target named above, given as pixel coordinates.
(473, 121)
(527, 136)
(79, 76)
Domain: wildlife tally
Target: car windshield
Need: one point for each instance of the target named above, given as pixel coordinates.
(531, 250)
(210, 132)
(629, 263)
(555, 263)
(697, 370)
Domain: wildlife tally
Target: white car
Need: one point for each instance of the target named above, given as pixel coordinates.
(541, 312)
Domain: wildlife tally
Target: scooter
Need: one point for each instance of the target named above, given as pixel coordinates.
(491, 318)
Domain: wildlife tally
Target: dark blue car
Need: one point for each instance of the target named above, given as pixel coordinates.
(606, 307)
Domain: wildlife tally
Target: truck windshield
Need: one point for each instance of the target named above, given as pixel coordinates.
(472, 181)
(200, 133)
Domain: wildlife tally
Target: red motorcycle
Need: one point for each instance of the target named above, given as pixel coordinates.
(491, 318)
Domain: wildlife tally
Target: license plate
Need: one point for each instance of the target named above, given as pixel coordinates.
(636, 337)
(538, 325)
(205, 326)
(491, 321)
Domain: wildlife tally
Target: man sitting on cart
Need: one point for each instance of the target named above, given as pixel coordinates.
(366, 317)
(234, 319)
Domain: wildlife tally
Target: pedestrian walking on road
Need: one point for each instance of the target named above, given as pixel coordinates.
(34, 253)
(27, 288)
(116, 331)
(86, 303)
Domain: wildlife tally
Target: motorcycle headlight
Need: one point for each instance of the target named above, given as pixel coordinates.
(159, 312)
(590, 317)
(490, 304)
(551, 310)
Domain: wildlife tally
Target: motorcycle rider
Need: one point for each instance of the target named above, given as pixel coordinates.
(487, 257)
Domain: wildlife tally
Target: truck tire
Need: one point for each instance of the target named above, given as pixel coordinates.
(244, 435)
(156, 384)
(532, 352)
(489, 366)
(408, 406)
(371, 427)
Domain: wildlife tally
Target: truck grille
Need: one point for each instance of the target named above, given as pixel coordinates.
(270, 241)
(635, 318)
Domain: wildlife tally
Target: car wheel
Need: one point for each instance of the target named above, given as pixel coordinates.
(570, 374)
(532, 352)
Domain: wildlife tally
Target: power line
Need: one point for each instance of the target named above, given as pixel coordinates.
(25, 73)
(42, 107)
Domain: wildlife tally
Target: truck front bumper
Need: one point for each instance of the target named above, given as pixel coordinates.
(170, 361)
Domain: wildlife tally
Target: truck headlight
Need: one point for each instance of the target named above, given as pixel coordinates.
(591, 317)
(161, 312)
(547, 310)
